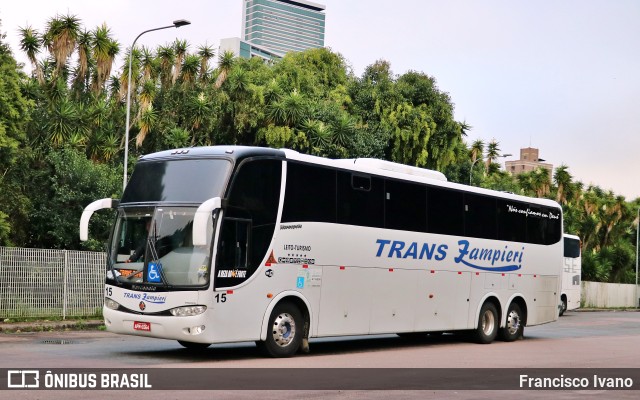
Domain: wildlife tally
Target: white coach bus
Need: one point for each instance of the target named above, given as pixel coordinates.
(571, 274)
(228, 244)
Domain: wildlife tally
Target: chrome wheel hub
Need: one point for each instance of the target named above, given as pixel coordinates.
(284, 329)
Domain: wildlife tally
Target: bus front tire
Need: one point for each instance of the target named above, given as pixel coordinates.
(487, 324)
(514, 325)
(285, 331)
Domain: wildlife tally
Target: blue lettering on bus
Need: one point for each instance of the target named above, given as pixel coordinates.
(474, 257)
(426, 250)
(466, 255)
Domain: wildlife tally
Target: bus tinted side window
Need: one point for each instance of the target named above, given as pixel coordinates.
(512, 221)
(480, 216)
(360, 200)
(445, 215)
(310, 194)
(405, 206)
(543, 225)
(249, 219)
(571, 248)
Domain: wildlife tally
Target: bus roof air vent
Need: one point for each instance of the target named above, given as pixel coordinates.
(180, 151)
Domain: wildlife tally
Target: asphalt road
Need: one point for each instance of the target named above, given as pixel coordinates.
(595, 340)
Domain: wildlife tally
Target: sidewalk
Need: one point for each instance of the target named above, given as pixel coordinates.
(45, 326)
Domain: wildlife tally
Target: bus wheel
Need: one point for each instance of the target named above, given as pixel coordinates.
(193, 345)
(514, 325)
(563, 305)
(285, 331)
(487, 324)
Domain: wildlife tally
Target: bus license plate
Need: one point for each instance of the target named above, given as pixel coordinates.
(141, 326)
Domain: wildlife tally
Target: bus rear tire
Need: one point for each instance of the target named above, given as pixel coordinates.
(193, 345)
(514, 325)
(563, 305)
(285, 331)
(487, 328)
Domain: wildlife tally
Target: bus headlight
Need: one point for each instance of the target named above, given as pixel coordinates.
(188, 311)
(111, 304)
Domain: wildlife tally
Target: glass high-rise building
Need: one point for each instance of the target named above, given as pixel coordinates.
(281, 26)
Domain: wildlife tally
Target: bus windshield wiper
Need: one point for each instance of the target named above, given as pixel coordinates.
(153, 252)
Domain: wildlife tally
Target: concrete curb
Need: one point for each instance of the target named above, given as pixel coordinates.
(45, 326)
(630, 309)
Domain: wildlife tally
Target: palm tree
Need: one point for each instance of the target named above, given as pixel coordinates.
(238, 83)
(147, 94)
(135, 72)
(105, 49)
(206, 53)
(288, 111)
(562, 178)
(147, 64)
(31, 44)
(541, 181)
(318, 134)
(199, 111)
(57, 92)
(84, 53)
(146, 123)
(342, 129)
(526, 184)
(493, 152)
(464, 128)
(190, 68)
(225, 63)
(167, 56)
(60, 37)
(477, 150)
(272, 91)
(180, 47)
(62, 123)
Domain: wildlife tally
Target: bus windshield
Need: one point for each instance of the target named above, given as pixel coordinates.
(153, 245)
(183, 181)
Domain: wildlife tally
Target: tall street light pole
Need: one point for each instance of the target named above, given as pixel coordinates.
(637, 239)
(478, 159)
(176, 24)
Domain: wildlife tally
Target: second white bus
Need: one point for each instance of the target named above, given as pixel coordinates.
(571, 274)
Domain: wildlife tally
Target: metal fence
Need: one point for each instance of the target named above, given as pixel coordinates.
(50, 283)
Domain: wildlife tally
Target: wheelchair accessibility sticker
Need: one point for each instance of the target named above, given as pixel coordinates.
(153, 273)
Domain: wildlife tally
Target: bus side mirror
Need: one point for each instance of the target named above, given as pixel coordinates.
(88, 211)
(201, 219)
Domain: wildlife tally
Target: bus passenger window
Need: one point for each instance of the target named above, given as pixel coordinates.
(445, 215)
(234, 244)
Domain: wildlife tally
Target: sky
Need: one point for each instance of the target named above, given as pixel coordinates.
(562, 76)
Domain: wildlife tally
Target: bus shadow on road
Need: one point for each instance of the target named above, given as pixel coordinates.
(322, 346)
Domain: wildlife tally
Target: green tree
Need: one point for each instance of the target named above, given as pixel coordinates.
(15, 112)
(66, 183)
